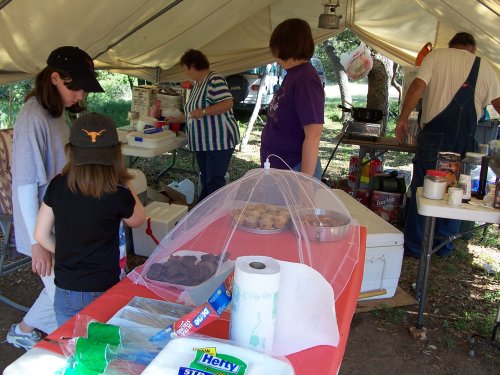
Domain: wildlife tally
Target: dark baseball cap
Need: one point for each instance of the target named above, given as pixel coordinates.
(93, 138)
(78, 64)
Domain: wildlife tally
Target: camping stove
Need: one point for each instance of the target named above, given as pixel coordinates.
(359, 129)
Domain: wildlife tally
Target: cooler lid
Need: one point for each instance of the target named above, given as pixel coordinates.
(379, 231)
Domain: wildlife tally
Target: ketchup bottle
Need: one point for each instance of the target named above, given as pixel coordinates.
(376, 167)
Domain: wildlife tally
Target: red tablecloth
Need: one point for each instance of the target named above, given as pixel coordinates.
(317, 360)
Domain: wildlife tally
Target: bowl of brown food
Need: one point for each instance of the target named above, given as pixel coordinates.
(186, 269)
(324, 225)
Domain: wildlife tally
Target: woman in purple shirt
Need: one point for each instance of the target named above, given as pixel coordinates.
(295, 116)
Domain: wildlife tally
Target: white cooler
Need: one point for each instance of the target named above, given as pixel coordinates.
(384, 249)
(163, 218)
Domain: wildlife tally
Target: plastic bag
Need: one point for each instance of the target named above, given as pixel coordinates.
(100, 348)
(357, 63)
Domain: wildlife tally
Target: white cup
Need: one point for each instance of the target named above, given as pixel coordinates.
(455, 196)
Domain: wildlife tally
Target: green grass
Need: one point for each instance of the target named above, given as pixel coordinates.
(117, 110)
(390, 314)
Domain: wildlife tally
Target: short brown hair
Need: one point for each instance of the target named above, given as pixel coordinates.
(462, 38)
(95, 180)
(292, 39)
(48, 96)
(194, 59)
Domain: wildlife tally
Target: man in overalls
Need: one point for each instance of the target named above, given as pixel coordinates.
(455, 85)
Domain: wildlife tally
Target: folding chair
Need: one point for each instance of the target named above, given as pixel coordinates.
(7, 247)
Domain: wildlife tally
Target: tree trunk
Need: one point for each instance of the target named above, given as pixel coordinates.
(340, 75)
(395, 83)
(256, 109)
(378, 87)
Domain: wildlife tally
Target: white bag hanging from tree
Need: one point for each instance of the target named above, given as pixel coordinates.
(357, 63)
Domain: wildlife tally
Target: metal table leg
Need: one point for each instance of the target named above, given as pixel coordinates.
(423, 267)
(174, 157)
(425, 261)
(172, 163)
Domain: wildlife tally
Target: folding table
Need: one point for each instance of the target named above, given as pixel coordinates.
(432, 209)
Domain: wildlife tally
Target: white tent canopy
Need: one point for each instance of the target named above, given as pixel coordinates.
(146, 38)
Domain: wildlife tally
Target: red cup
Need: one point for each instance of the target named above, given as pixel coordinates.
(159, 123)
(175, 127)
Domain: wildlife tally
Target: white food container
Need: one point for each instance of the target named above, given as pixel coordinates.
(151, 138)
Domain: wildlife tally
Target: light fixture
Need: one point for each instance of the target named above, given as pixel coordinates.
(328, 19)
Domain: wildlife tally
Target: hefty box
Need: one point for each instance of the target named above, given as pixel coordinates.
(387, 205)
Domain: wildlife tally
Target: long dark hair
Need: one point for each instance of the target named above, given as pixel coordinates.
(47, 95)
(95, 180)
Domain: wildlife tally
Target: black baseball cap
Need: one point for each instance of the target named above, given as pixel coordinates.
(78, 64)
(93, 138)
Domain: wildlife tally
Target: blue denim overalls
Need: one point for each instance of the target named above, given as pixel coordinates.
(451, 130)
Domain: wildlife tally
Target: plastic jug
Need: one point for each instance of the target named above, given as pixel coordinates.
(186, 187)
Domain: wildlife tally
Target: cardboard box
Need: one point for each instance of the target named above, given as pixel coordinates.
(169, 195)
(450, 162)
(143, 98)
(361, 195)
(387, 205)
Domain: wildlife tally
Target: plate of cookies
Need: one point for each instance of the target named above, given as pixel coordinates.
(186, 269)
(261, 218)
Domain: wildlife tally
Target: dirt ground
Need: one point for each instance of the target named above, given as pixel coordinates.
(379, 341)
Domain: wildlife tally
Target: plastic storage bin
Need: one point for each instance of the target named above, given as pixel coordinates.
(163, 218)
(151, 138)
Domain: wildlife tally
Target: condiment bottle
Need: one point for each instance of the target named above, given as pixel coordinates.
(482, 189)
(464, 183)
(435, 184)
(352, 178)
(496, 203)
(365, 171)
(376, 167)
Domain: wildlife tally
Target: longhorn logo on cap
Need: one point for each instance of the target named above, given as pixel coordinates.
(93, 135)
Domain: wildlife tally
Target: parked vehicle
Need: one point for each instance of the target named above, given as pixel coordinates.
(245, 86)
(318, 65)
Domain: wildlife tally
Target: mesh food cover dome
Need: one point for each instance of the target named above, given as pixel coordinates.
(282, 214)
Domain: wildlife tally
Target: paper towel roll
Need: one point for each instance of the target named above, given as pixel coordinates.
(254, 302)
